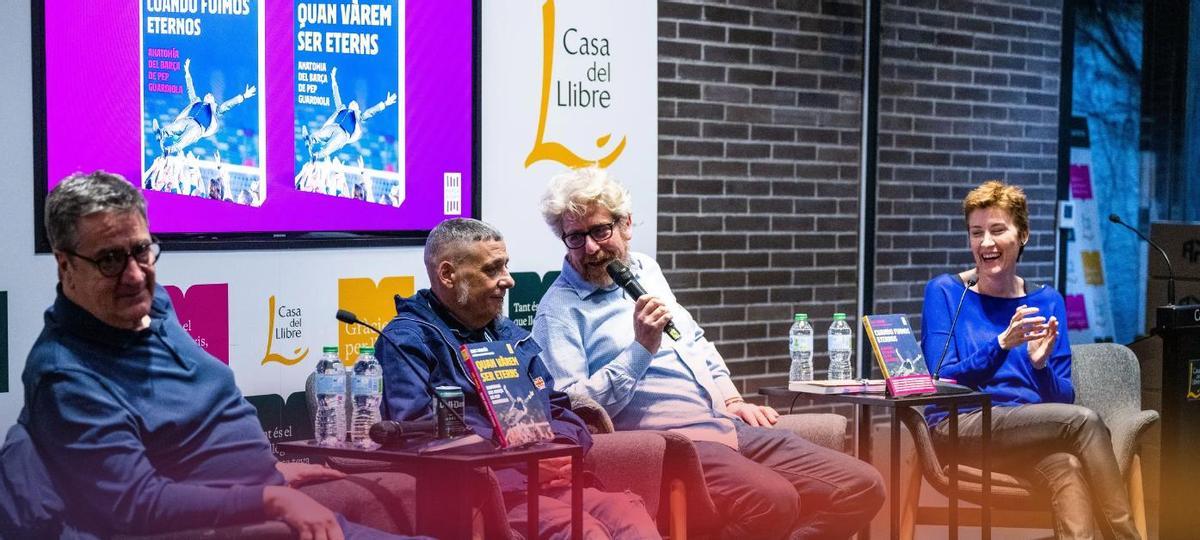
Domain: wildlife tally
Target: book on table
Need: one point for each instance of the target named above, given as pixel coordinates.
(838, 386)
(898, 354)
(508, 393)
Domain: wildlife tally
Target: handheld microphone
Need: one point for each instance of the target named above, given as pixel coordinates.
(390, 432)
(621, 275)
(937, 370)
(350, 318)
(1170, 271)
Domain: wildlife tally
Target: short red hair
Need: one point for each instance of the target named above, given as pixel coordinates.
(997, 194)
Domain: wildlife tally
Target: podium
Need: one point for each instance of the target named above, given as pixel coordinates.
(1179, 328)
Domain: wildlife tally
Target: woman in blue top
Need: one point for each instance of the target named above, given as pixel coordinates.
(1008, 343)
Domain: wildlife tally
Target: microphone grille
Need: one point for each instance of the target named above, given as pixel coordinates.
(346, 316)
(1114, 218)
(617, 271)
(383, 432)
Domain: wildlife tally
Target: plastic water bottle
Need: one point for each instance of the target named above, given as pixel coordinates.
(366, 388)
(840, 351)
(329, 424)
(800, 345)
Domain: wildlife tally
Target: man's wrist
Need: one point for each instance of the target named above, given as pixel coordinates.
(734, 400)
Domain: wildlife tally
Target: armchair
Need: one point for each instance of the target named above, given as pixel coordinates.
(33, 509)
(1107, 380)
(664, 468)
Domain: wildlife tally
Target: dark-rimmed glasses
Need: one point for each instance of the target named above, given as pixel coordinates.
(599, 233)
(112, 263)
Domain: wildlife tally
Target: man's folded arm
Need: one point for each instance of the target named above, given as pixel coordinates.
(97, 460)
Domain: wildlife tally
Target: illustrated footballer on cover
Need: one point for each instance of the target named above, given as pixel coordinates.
(898, 354)
(508, 394)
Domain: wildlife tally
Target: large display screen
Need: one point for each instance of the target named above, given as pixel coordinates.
(263, 120)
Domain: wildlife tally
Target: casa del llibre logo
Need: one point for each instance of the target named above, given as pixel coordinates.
(586, 90)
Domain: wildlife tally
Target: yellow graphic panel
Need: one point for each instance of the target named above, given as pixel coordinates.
(1093, 271)
(374, 304)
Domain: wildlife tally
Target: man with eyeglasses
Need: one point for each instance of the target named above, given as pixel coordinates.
(766, 483)
(139, 429)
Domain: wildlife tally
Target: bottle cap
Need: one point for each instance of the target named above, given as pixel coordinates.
(329, 349)
(801, 316)
(839, 316)
(366, 350)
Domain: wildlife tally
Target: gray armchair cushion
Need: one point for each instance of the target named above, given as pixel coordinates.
(1127, 433)
(828, 430)
(630, 460)
(380, 500)
(29, 505)
(1107, 379)
(592, 413)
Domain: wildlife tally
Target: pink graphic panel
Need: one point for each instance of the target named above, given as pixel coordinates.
(1081, 182)
(1077, 318)
(204, 313)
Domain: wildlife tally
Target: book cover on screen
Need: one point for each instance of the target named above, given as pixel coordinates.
(898, 354)
(349, 132)
(508, 394)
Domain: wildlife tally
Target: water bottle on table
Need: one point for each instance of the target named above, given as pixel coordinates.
(329, 424)
(366, 389)
(840, 351)
(800, 345)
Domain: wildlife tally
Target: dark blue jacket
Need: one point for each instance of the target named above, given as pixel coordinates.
(142, 431)
(431, 338)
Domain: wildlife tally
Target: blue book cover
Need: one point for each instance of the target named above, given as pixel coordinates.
(508, 393)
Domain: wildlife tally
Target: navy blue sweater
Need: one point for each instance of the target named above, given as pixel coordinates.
(975, 358)
(142, 431)
(428, 335)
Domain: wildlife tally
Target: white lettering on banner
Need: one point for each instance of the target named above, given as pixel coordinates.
(1196, 315)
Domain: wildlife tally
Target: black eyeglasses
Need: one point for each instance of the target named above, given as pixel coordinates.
(599, 233)
(112, 263)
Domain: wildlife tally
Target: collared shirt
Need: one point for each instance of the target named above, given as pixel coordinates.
(586, 333)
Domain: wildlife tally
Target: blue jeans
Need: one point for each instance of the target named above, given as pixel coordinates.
(1065, 448)
(778, 485)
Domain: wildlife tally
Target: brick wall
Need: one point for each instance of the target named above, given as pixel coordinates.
(968, 92)
(759, 147)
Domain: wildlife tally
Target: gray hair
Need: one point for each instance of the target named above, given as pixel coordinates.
(577, 191)
(82, 195)
(450, 236)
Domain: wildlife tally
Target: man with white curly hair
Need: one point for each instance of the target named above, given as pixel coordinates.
(597, 340)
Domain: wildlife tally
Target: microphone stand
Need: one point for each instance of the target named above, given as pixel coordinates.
(944, 387)
(1170, 270)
